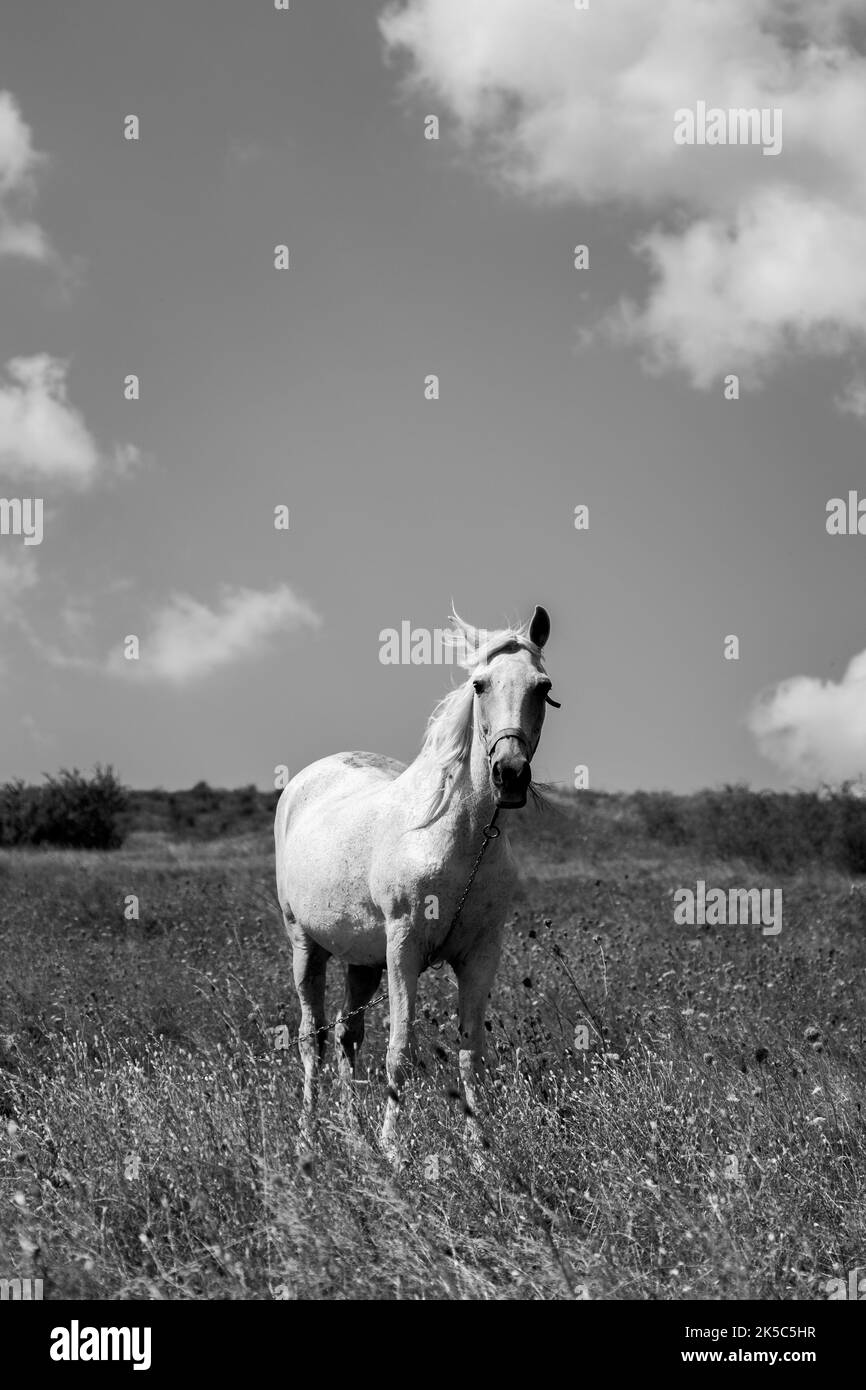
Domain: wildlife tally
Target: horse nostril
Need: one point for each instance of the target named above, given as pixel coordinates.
(522, 775)
(512, 774)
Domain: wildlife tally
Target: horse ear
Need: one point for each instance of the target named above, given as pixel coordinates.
(539, 628)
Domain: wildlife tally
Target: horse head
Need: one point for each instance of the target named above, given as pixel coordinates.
(512, 690)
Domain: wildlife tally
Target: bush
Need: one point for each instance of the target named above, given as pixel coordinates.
(17, 813)
(661, 813)
(70, 810)
(853, 832)
(782, 831)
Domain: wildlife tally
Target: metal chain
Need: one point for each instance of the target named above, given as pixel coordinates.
(490, 832)
(324, 1027)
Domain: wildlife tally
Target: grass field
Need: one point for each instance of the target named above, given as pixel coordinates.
(709, 1143)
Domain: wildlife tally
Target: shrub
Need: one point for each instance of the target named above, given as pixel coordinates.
(661, 813)
(17, 813)
(853, 832)
(70, 810)
(783, 831)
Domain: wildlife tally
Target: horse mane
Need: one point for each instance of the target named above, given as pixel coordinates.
(448, 737)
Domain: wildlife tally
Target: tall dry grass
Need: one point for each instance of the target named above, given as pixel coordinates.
(709, 1143)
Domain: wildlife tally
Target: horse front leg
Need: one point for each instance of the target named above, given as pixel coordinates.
(309, 962)
(404, 967)
(475, 977)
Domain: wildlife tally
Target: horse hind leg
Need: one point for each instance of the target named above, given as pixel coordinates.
(362, 981)
(309, 962)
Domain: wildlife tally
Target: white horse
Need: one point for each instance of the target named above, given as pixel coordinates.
(373, 859)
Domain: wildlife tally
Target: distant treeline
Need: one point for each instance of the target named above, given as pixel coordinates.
(775, 830)
(203, 812)
(98, 812)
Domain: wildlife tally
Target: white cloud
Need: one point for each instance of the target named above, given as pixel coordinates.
(17, 575)
(187, 640)
(24, 239)
(751, 257)
(42, 436)
(77, 618)
(126, 459)
(852, 401)
(815, 730)
(725, 300)
(19, 161)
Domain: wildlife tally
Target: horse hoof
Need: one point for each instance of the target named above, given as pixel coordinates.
(477, 1161)
(305, 1147)
(395, 1154)
(475, 1145)
(306, 1162)
(355, 1139)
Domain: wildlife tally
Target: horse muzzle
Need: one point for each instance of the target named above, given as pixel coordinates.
(510, 771)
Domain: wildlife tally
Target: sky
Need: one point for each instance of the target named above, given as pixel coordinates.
(306, 387)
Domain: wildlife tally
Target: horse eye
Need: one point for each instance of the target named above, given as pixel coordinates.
(478, 686)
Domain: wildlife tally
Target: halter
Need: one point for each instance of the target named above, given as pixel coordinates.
(518, 734)
(510, 733)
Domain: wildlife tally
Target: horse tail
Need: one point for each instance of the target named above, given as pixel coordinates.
(280, 828)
